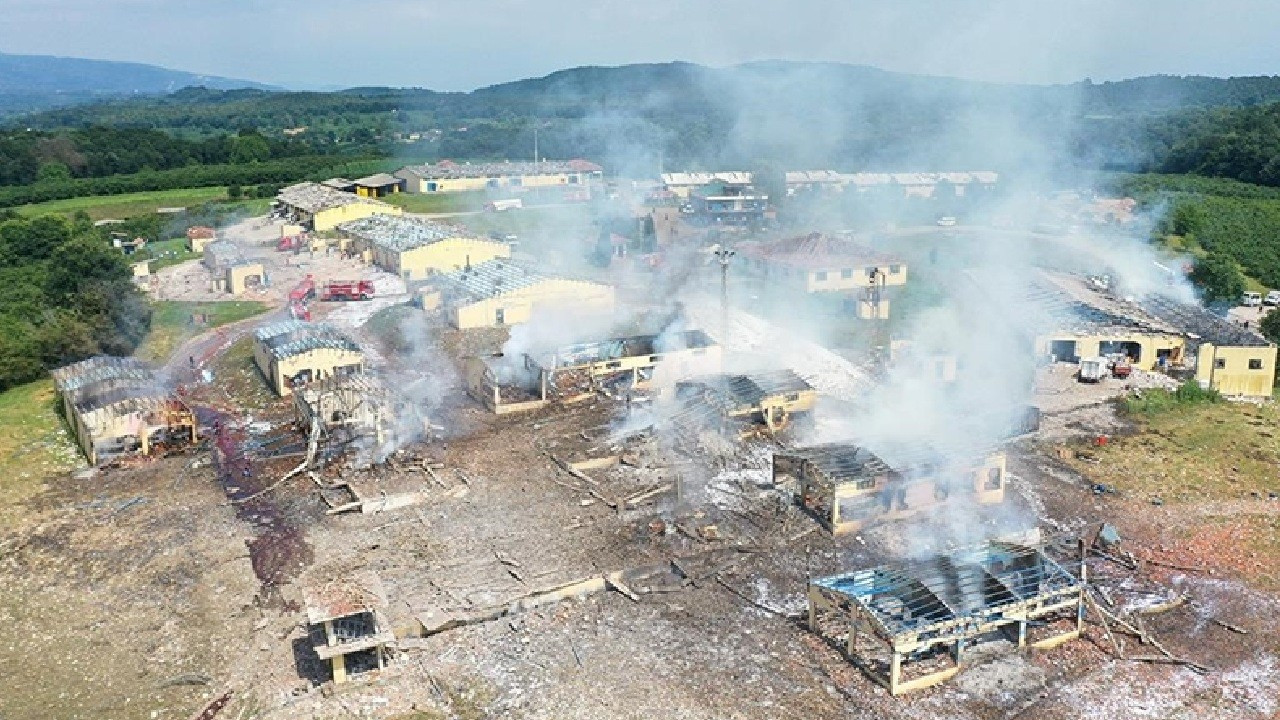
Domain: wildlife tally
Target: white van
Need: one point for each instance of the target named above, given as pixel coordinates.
(1251, 299)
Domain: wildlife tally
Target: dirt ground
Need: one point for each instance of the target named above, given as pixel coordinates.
(151, 591)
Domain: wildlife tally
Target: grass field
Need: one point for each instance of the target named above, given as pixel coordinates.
(171, 323)
(123, 206)
(165, 253)
(34, 442)
(439, 203)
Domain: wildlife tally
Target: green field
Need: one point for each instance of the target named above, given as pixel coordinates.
(128, 205)
(34, 442)
(439, 203)
(171, 323)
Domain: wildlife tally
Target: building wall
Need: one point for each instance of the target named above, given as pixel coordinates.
(196, 245)
(322, 362)
(415, 184)
(854, 278)
(1227, 369)
(517, 306)
(240, 276)
(1091, 346)
(332, 217)
(444, 256)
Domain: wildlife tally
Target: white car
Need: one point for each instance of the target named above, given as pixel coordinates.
(1272, 298)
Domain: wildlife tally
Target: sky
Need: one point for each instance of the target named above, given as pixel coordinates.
(464, 44)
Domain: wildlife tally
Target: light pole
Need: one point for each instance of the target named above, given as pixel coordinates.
(723, 254)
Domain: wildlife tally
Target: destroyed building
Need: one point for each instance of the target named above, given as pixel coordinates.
(351, 412)
(909, 626)
(1154, 333)
(415, 248)
(620, 366)
(496, 293)
(319, 207)
(826, 263)
(739, 404)
(447, 176)
(725, 204)
(847, 487)
(117, 407)
(231, 270)
(293, 353)
(346, 625)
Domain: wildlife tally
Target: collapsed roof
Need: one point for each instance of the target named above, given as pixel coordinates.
(397, 233)
(492, 278)
(313, 197)
(634, 346)
(292, 337)
(741, 391)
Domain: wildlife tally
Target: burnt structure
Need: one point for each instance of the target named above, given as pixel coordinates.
(117, 407)
(847, 487)
(908, 626)
(353, 412)
(346, 624)
(741, 404)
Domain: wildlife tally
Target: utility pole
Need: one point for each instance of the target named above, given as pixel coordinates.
(535, 143)
(723, 254)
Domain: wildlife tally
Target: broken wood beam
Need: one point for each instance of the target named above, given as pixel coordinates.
(635, 500)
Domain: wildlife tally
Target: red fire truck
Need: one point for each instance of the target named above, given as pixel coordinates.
(337, 290)
(303, 291)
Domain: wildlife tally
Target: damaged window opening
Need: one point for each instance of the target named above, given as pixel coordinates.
(1220, 363)
(895, 269)
(1255, 364)
(993, 479)
(820, 276)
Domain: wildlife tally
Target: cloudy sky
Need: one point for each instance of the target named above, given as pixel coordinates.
(463, 44)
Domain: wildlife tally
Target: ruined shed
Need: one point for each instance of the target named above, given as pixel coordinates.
(293, 353)
(346, 624)
(908, 626)
(745, 403)
(848, 487)
(355, 412)
(117, 407)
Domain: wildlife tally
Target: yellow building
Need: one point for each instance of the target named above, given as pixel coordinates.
(319, 208)
(379, 185)
(847, 488)
(745, 403)
(499, 292)
(1237, 370)
(414, 248)
(117, 407)
(243, 276)
(294, 353)
(447, 176)
(819, 262)
(198, 236)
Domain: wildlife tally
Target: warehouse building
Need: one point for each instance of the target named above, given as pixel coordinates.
(911, 625)
(621, 367)
(379, 185)
(116, 407)
(415, 248)
(742, 404)
(847, 487)
(448, 176)
(294, 353)
(231, 270)
(318, 207)
(822, 263)
(353, 413)
(498, 293)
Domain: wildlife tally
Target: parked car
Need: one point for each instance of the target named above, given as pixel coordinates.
(1251, 299)
(946, 221)
(1272, 298)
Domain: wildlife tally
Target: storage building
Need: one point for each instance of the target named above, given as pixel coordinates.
(415, 248)
(448, 176)
(318, 207)
(293, 353)
(499, 292)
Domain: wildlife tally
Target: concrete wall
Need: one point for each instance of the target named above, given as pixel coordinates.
(241, 277)
(854, 278)
(1228, 369)
(444, 256)
(518, 305)
(322, 362)
(332, 217)
(1149, 345)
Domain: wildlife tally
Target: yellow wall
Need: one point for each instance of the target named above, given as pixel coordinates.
(444, 256)
(859, 277)
(1090, 345)
(141, 269)
(196, 245)
(320, 361)
(239, 275)
(1235, 378)
(518, 305)
(332, 217)
(414, 184)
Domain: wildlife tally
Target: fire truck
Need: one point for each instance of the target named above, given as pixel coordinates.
(337, 290)
(303, 291)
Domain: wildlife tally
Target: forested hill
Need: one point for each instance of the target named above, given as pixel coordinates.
(35, 82)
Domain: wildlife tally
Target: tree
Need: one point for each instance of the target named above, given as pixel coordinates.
(1270, 326)
(53, 172)
(251, 148)
(1218, 277)
(234, 192)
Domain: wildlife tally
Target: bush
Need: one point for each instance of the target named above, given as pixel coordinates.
(1155, 401)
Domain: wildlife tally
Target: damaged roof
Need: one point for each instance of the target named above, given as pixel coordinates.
(492, 278)
(292, 337)
(313, 197)
(398, 233)
(970, 581)
(343, 596)
(751, 390)
(377, 180)
(98, 368)
(446, 169)
(816, 251)
(625, 347)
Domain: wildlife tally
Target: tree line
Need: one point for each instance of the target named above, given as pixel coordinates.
(65, 294)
